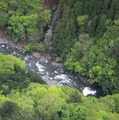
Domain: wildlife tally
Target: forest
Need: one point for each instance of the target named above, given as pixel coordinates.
(85, 39)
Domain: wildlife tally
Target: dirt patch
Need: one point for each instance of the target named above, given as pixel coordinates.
(4, 37)
(36, 54)
(50, 4)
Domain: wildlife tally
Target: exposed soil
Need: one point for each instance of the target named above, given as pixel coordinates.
(3, 36)
(50, 4)
(6, 39)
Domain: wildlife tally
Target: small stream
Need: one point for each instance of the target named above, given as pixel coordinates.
(53, 75)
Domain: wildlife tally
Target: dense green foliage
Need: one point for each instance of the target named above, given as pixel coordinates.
(24, 19)
(8, 63)
(86, 37)
(56, 103)
(13, 76)
(64, 36)
(35, 47)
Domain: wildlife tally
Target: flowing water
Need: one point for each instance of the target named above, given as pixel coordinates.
(53, 75)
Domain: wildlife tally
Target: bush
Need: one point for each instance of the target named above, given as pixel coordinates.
(8, 108)
(35, 47)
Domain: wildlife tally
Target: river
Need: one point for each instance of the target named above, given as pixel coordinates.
(52, 74)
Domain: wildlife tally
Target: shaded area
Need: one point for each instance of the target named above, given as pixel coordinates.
(50, 4)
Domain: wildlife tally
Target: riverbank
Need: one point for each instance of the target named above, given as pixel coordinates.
(6, 39)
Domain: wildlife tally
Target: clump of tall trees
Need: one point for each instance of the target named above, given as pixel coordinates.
(24, 19)
(13, 75)
(86, 38)
(53, 103)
